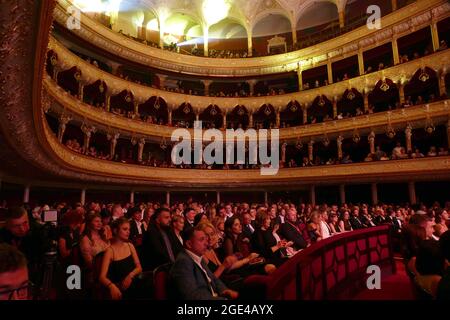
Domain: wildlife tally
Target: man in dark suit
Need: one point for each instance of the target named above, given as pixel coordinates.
(291, 232)
(156, 247)
(355, 221)
(189, 217)
(190, 274)
(137, 229)
(443, 290)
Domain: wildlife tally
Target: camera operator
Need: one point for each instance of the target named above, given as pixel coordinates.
(30, 238)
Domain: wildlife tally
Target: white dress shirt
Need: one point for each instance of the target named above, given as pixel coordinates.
(324, 228)
(198, 261)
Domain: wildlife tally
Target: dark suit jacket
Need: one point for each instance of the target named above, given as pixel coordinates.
(191, 282)
(134, 232)
(289, 232)
(247, 233)
(356, 223)
(154, 251)
(177, 246)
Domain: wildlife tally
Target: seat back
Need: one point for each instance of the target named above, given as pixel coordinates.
(161, 282)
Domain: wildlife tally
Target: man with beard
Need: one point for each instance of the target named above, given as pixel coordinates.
(157, 248)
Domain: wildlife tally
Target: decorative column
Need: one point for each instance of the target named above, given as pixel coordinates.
(305, 114)
(161, 33)
(217, 197)
(141, 145)
(266, 197)
(206, 84)
(300, 79)
(87, 130)
(371, 139)
(136, 106)
(168, 198)
(394, 5)
(205, 40)
(283, 153)
(162, 80)
(169, 114)
(374, 191)
(448, 132)
(108, 101)
(113, 143)
(442, 88)
(366, 101)
(342, 193)
(249, 42)
(330, 72)
(63, 121)
(224, 120)
(311, 150)
(251, 84)
(132, 196)
(312, 195)
(294, 32)
(408, 135)
(278, 117)
(83, 197)
(115, 68)
(395, 50)
(361, 62)
(197, 115)
(342, 18)
(401, 92)
(250, 118)
(26, 194)
(412, 192)
(339, 141)
(435, 36)
(80, 90)
(335, 113)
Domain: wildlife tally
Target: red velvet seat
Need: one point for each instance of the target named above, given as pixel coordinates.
(161, 282)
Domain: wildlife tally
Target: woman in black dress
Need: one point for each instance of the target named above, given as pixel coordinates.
(120, 264)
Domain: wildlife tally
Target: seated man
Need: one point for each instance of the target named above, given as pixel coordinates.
(291, 232)
(28, 237)
(443, 290)
(13, 274)
(190, 274)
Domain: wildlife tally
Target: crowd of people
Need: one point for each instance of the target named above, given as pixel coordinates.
(209, 249)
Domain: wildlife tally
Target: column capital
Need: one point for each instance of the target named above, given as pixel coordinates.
(113, 136)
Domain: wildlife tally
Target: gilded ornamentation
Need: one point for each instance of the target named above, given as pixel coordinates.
(384, 86)
(424, 77)
(350, 95)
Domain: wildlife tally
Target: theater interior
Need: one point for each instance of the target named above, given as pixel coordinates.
(321, 170)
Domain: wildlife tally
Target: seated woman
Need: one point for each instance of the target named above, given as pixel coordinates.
(69, 237)
(441, 220)
(314, 228)
(92, 243)
(271, 246)
(233, 245)
(334, 225)
(344, 222)
(120, 264)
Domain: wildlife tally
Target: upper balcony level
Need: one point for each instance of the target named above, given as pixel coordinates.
(394, 25)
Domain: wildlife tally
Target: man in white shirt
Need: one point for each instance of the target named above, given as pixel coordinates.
(116, 212)
(191, 275)
(324, 227)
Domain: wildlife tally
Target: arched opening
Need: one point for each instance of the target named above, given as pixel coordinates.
(227, 39)
(292, 115)
(69, 80)
(212, 117)
(422, 87)
(384, 96)
(95, 94)
(238, 118)
(183, 116)
(265, 117)
(320, 110)
(351, 104)
(318, 22)
(122, 103)
(154, 110)
(184, 33)
(266, 28)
